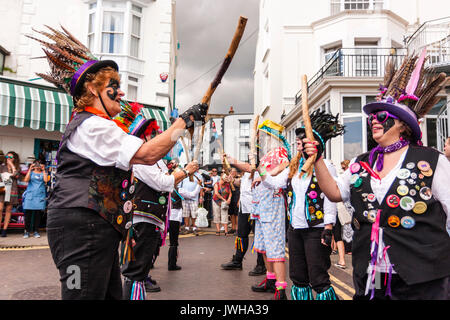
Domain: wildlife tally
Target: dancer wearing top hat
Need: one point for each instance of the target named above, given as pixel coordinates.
(311, 216)
(399, 193)
(89, 210)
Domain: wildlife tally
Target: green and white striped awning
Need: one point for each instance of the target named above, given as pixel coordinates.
(26, 105)
(35, 107)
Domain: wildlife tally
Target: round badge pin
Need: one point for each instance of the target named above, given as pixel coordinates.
(353, 178)
(124, 183)
(371, 197)
(402, 190)
(413, 175)
(119, 219)
(407, 222)
(407, 203)
(314, 179)
(162, 200)
(314, 200)
(132, 188)
(123, 195)
(319, 214)
(410, 165)
(313, 186)
(428, 173)
(421, 176)
(354, 167)
(365, 213)
(412, 192)
(311, 209)
(402, 182)
(423, 165)
(372, 215)
(394, 221)
(128, 225)
(420, 207)
(127, 206)
(403, 174)
(358, 183)
(393, 201)
(312, 194)
(425, 193)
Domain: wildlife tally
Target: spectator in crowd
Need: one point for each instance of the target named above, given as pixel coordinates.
(221, 202)
(190, 189)
(9, 173)
(34, 198)
(214, 176)
(233, 209)
(206, 194)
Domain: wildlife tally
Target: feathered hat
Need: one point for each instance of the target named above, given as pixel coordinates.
(275, 130)
(132, 118)
(325, 126)
(70, 61)
(408, 92)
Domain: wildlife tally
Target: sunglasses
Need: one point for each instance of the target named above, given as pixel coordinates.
(380, 116)
(9, 157)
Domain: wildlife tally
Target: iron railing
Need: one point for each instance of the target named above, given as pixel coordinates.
(442, 126)
(355, 62)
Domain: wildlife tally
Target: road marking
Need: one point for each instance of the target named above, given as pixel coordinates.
(342, 284)
(22, 248)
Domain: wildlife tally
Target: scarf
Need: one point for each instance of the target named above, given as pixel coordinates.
(382, 150)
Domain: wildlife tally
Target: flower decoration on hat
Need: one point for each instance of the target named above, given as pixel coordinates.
(70, 60)
(409, 91)
(135, 122)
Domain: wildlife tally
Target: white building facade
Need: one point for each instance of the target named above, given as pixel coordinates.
(140, 35)
(342, 47)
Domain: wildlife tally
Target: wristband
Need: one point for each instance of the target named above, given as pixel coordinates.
(185, 172)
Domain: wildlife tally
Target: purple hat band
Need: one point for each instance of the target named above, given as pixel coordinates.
(79, 73)
(401, 111)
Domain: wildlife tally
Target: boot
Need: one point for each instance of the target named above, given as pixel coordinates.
(267, 285)
(259, 270)
(151, 285)
(280, 294)
(172, 262)
(234, 264)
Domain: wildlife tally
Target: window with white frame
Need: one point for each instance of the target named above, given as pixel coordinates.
(135, 35)
(91, 26)
(132, 89)
(244, 149)
(112, 32)
(340, 5)
(244, 128)
(431, 123)
(366, 59)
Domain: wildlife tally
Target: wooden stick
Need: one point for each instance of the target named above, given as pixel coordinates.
(225, 163)
(309, 164)
(253, 142)
(218, 78)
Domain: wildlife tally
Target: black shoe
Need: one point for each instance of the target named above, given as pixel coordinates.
(151, 285)
(172, 260)
(173, 268)
(279, 295)
(234, 264)
(258, 271)
(3, 233)
(268, 285)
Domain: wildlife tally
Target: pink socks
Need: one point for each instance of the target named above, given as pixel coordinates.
(270, 275)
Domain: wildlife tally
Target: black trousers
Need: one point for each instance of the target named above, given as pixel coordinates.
(174, 232)
(431, 290)
(147, 240)
(84, 248)
(245, 226)
(309, 259)
(32, 220)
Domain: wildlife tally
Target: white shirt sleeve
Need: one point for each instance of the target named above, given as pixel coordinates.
(278, 181)
(103, 142)
(189, 194)
(343, 183)
(329, 207)
(439, 187)
(154, 177)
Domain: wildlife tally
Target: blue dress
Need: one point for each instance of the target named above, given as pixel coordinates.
(34, 197)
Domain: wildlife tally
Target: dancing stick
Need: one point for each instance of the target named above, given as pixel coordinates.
(253, 143)
(309, 164)
(215, 83)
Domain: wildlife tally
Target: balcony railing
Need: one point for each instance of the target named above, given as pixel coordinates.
(355, 62)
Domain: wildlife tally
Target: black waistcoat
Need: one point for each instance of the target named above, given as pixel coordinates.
(314, 198)
(82, 183)
(150, 203)
(413, 221)
(176, 199)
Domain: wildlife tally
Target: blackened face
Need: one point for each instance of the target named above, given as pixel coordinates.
(112, 89)
(111, 96)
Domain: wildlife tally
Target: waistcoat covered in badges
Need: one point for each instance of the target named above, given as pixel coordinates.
(150, 203)
(314, 199)
(82, 183)
(413, 221)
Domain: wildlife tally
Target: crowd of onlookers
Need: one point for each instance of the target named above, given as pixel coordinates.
(32, 202)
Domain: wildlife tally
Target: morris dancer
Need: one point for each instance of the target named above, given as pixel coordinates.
(311, 216)
(151, 195)
(89, 210)
(400, 193)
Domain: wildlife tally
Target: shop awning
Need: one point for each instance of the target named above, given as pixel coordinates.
(34, 107)
(25, 105)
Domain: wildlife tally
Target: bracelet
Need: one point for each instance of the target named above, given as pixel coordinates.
(185, 172)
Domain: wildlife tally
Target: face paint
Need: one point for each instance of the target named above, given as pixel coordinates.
(388, 124)
(112, 89)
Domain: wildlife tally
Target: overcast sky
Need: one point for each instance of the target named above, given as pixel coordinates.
(205, 29)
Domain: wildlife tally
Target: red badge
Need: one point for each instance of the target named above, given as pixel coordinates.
(393, 201)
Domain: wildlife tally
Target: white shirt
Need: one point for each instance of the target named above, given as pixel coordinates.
(300, 186)
(246, 197)
(189, 190)
(214, 179)
(103, 142)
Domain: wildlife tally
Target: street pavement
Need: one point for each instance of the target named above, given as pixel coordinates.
(28, 271)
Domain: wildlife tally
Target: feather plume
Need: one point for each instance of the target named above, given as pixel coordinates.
(389, 71)
(58, 62)
(428, 98)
